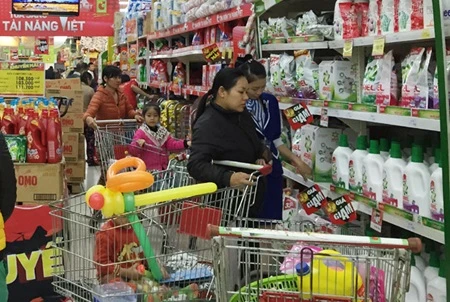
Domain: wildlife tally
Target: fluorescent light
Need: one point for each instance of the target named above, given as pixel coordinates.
(123, 2)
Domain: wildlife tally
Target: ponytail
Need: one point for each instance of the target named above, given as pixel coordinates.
(201, 105)
(253, 70)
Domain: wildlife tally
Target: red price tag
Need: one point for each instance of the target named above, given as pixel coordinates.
(298, 116)
(340, 211)
(312, 199)
(212, 53)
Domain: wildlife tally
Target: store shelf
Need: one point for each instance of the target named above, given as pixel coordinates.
(190, 53)
(142, 37)
(187, 90)
(219, 18)
(294, 46)
(141, 58)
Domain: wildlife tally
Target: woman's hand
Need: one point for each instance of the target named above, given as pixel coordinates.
(131, 273)
(141, 142)
(239, 179)
(139, 118)
(260, 162)
(302, 168)
(91, 123)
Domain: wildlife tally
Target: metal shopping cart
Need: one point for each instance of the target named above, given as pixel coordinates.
(310, 266)
(175, 230)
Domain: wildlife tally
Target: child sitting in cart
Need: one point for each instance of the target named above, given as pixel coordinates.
(152, 142)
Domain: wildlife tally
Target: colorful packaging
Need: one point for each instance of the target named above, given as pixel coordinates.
(435, 96)
(377, 81)
(287, 74)
(362, 11)
(389, 16)
(198, 38)
(343, 77)
(205, 78)
(345, 20)
(415, 79)
(325, 70)
(307, 75)
(17, 145)
(410, 15)
(374, 17)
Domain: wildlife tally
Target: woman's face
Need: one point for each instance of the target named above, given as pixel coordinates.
(236, 97)
(113, 82)
(256, 88)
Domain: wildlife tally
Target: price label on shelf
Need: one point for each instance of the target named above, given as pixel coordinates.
(376, 221)
(298, 116)
(324, 117)
(22, 78)
(348, 49)
(378, 46)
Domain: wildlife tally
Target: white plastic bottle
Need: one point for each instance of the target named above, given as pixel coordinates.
(373, 173)
(417, 290)
(416, 185)
(340, 161)
(393, 170)
(435, 160)
(420, 263)
(437, 195)
(437, 288)
(432, 270)
(384, 148)
(356, 164)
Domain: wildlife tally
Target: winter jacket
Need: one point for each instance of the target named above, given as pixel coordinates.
(158, 143)
(104, 107)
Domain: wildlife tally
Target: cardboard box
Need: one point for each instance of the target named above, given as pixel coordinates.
(72, 122)
(74, 99)
(76, 172)
(148, 24)
(71, 84)
(81, 147)
(39, 183)
(73, 146)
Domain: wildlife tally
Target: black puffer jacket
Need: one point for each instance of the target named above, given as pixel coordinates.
(8, 192)
(223, 135)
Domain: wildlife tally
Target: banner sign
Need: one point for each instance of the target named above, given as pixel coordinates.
(22, 78)
(212, 53)
(298, 116)
(96, 19)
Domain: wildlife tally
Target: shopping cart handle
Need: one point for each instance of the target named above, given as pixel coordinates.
(212, 231)
(119, 121)
(264, 170)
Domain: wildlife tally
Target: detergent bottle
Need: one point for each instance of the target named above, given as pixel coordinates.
(432, 270)
(437, 288)
(8, 121)
(416, 185)
(373, 173)
(356, 164)
(45, 115)
(2, 106)
(340, 162)
(54, 137)
(417, 290)
(436, 160)
(437, 194)
(384, 148)
(393, 170)
(22, 121)
(36, 152)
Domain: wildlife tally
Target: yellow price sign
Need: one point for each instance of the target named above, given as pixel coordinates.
(378, 46)
(22, 78)
(348, 49)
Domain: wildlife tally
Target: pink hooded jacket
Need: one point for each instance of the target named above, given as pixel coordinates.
(155, 151)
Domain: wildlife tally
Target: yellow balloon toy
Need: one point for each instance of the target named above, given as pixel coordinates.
(118, 198)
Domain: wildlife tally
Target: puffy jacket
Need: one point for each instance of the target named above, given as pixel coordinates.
(104, 107)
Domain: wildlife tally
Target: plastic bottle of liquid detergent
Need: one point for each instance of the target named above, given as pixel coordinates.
(22, 121)
(393, 170)
(373, 173)
(436, 160)
(437, 288)
(356, 164)
(417, 290)
(427, 249)
(437, 195)
(340, 161)
(54, 137)
(420, 263)
(416, 185)
(331, 273)
(8, 121)
(36, 150)
(384, 148)
(45, 115)
(432, 270)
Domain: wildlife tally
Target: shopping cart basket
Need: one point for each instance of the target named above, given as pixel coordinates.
(176, 231)
(331, 268)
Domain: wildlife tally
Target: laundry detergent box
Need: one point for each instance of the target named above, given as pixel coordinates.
(316, 150)
(325, 80)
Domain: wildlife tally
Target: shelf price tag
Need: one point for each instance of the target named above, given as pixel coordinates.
(376, 220)
(298, 116)
(212, 53)
(324, 117)
(348, 49)
(340, 211)
(378, 46)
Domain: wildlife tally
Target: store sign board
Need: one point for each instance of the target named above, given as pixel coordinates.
(98, 15)
(212, 53)
(22, 78)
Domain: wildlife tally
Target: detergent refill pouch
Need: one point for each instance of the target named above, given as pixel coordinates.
(343, 84)
(307, 75)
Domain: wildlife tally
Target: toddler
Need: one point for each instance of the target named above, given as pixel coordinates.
(152, 142)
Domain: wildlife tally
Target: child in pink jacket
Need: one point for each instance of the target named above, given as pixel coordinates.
(152, 142)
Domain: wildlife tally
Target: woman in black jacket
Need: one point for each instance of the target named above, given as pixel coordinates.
(224, 130)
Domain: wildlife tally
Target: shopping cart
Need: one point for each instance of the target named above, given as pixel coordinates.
(328, 267)
(175, 229)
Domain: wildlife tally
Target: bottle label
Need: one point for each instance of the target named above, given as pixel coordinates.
(437, 213)
(388, 197)
(408, 204)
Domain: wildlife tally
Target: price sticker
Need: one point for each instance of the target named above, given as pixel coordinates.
(376, 221)
(348, 49)
(378, 46)
(324, 117)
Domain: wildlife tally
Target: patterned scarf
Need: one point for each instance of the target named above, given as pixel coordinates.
(158, 137)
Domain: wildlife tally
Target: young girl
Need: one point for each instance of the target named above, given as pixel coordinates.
(152, 142)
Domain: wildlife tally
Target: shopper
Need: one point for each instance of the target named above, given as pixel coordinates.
(88, 93)
(131, 90)
(266, 115)
(7, 203)
(223, 130)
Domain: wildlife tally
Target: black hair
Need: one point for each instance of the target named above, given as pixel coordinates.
(90, 63)
(111, 71)
(253, 70)
(125, 78)
(149, 106)
(86, 77)
(226, 78)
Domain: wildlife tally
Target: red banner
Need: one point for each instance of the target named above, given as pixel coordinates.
(96, 19)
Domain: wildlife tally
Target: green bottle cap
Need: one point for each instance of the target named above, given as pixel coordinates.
(442, 269)
(417, 154)
(361, 142)
(396, 151)
(374, 148)
(384, 145)
(437, 156)
(343, 141)
(434, 259)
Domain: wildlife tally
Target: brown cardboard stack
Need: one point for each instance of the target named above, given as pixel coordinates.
(72, 127)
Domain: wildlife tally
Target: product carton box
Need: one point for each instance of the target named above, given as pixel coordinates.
(316, 149)
(70, 84)
(40, 183)
(74, 99)
(72, 122)
(337, 81)
(76, 171)
(73, 147)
